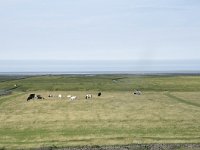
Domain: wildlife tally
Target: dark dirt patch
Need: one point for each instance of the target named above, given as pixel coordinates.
(131, 147)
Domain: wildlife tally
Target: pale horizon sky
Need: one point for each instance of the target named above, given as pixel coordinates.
(99, 29)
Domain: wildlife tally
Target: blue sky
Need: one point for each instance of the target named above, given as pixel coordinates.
(99, 29)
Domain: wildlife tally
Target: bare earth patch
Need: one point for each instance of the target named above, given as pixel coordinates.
(132, 147)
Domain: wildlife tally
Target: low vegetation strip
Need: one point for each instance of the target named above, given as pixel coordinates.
(7, 91)
(7, 78)
(182, 100)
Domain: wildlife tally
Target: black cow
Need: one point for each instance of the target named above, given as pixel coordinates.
(40, 97)
(31, 96)
(99, 94)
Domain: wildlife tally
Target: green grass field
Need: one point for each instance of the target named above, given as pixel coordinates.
(168, 111)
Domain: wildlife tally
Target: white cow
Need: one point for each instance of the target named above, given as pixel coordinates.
(59, 96)
(69, 96)
(72, 98)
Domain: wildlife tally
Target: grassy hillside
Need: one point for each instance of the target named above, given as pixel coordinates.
(168, 111)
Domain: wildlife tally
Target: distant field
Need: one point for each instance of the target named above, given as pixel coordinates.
(168, 111)
(104, 83)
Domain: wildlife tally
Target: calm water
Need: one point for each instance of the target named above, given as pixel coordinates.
(84, 67)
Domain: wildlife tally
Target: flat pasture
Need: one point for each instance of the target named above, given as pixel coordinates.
(117, 117)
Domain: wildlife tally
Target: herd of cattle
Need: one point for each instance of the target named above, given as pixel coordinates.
(71, 97)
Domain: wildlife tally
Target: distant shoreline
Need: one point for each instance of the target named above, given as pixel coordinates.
(99, 67)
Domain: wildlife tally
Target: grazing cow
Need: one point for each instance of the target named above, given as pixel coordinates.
(50, 95)
(99, 94)
(31, 96)
(69, 96)
(40, 97)
(137, 92)
(88, 96)
(72, 98)
(59, 96)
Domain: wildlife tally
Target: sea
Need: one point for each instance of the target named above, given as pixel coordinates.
(89, 67)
